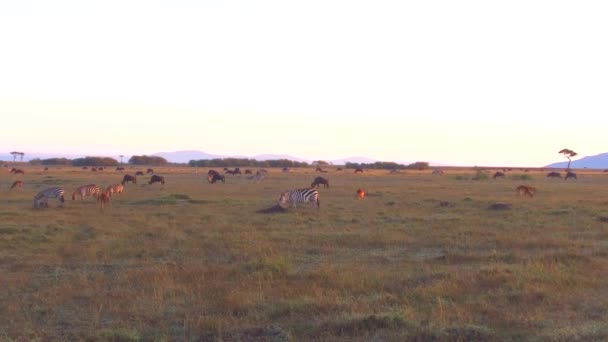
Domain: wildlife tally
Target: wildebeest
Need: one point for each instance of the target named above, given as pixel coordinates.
(554, 175)
(499, 174)
(339, 169)
(139, 173)
(318, 181)
(85, 167)
(212, 172)
(157, 179)
(148, 171)
(236, 171)
(358, 170)
(570, 175)
(128, 178)
(16, 171)
(248, 172)
(319, 169)
(46, 169)
(285, 169)
(120, 168)
(212, 178)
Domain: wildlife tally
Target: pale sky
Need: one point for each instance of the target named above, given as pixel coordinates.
(457, 82)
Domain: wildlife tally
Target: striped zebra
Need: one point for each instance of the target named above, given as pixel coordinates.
(294, 197)
(41, 199)
(115, 189)
(86, 190)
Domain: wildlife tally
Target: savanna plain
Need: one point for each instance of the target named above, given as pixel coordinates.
(420, 258)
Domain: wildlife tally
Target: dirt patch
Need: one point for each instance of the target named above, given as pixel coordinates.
(277, 209)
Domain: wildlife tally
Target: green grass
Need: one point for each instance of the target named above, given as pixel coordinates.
(421, 258)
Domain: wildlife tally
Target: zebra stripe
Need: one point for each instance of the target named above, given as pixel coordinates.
(41, 199)
(294, 197)
(86, 190)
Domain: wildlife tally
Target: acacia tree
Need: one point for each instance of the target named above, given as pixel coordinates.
(568, 153)
(21, 154)
(14, 153)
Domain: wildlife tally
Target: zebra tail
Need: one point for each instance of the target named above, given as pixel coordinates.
(318, 203)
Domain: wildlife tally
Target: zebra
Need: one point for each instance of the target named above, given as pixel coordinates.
(41, 199)
(86, 190)
(294, 197)
(115, 188)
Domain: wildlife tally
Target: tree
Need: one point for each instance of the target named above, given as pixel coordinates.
(21, 154)
(568, 153)
(14, 153)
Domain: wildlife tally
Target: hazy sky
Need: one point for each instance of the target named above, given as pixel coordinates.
(458, 82)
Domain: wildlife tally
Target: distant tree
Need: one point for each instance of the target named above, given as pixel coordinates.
(148, 160)
(21, 154)
(56, 161)
(320, 163)
(95, 161)
(14, 153)
(568, 153)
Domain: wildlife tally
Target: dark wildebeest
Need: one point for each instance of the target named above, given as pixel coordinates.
(339, 169)
(570, 175)
(358, 170)
(212, 172)
(128, 178)
(248, 172)
(85, 167)
(319, 169)
(285, 169)
(499, 174)
(554, 175)
(94, 169)
(120, 168)
(236, 171)
(157, 179)
(216, 177)
(139, 173)
(46, 169)
(149, 171)
(318, 181)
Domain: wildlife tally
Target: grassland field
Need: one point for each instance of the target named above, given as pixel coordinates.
(420, 258)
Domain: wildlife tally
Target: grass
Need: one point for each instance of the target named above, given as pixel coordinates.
(421, 258)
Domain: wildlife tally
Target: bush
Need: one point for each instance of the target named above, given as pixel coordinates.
(148, 160)
(91, 161)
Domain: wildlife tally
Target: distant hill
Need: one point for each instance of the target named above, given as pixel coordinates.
(262, 157)
(599, 161)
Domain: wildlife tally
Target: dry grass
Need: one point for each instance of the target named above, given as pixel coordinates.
(420, 258)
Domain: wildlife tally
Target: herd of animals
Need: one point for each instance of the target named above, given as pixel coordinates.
(287, 198)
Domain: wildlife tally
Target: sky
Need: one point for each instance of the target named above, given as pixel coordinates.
(483, 82)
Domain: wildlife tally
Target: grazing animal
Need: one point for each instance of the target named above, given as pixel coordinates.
(339, 169)
(46, 169)
(293, 197)
(525, 190)
(248, 172)
(128, 178)
(157, 179)
(554, 175)
(41, 200)
(17, 184)
(139, 173)
(437, 172)
(236, 171)
(148, 171)
(570, 175)
(103, 199)
(94, 169)
(318, 181)
(285, 169)
(358, 170)
(115, 189)
(361, 193)
(16, 171)
(86, 190)
(216, 177)
(120, 168)
(499, 174)
(258, 177)
(319, 169)
(212, 172)
(85, 167)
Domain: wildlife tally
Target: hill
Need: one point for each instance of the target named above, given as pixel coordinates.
(599, 161)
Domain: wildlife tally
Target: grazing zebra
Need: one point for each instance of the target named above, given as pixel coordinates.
(294, 197)
(115, 189)
(318, 181)
(86, 190)
(41, 199)
(128, 178)
(17, 184)
(157, 179)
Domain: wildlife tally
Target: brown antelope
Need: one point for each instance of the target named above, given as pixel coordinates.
(525, 190)
(103, 199)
